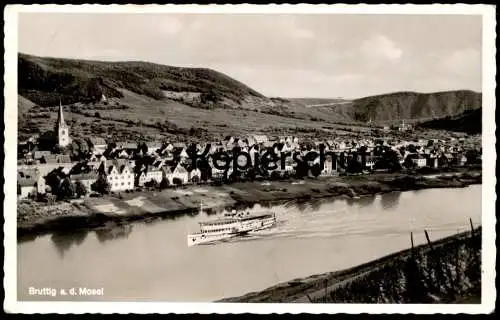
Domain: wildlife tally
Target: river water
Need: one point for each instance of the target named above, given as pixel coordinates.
(152, 262)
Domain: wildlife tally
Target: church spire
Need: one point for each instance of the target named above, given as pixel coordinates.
(61, 128)
(60, 116)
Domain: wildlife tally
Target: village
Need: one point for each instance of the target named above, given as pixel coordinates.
(115, 167)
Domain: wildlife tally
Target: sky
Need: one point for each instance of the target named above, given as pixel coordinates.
(288, 55)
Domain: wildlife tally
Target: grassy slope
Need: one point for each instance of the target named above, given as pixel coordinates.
(138, 88)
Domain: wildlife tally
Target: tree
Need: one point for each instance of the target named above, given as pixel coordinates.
(144, 148)
(315, 170)
(97, 115)
(151, 183)
(18, 188)
(176, 181)
(164, 183)
(301, 170)
(53, 180)
(66, 189)
(409, 163)
(205, 169)
(354, 166)
(101, 185)
(195, 179)
(275, 175)
(80, 189)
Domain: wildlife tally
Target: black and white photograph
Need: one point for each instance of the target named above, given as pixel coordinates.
(246, 158)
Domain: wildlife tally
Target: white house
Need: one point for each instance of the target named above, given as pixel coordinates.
(27, 187)
(98, 145)
(195, 175)
(180, 173)
(328, 167)
(151, 173)
(31, 182)
(420, 161)
(120, 177)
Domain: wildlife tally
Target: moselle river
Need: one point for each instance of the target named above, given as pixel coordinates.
(151, 261)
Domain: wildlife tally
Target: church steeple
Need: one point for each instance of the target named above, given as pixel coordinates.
(61, 128)
(60, 116)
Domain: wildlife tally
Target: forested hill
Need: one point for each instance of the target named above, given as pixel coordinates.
(45, 80)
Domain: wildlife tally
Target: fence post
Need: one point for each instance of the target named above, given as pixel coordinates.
(411, 239)
(471, 226)
(428, 239)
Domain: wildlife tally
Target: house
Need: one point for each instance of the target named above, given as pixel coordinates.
(98, 145)
(369, 162)
(97, 158)
(251, 141)
(420, 161)
(131, 147)
(260, 139)
(120, 176)
(123, 154)
(37, 155)
(195, 176)
(462, 160)
(153, 147)
(151, 173)
(56, 158)
(30, 182)
(26, 187)
(87, 179)
(179, 145)
(179, 174)
(183, 155)
(329, 168)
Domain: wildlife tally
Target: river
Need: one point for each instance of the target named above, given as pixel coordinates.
(152, 262)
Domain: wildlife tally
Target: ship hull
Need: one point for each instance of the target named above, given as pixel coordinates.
(206, 238)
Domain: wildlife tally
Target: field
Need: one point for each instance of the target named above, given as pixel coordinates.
(142, 116)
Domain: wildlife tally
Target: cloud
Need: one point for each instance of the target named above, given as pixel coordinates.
(303, 34)
(465, 62)
(380, 46)
(170, 25)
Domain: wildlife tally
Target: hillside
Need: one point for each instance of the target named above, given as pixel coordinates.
(157, 101)
(412, 105)
(45, 80)
(469, 121)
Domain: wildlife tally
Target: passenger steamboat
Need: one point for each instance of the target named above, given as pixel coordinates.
(231, 225)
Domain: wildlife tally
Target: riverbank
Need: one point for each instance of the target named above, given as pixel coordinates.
(443, 271)
(34, 218)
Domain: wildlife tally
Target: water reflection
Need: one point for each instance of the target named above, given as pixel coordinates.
(27, 238)
(301, 205)
(366, 201)
(390, 200)
(64, 240)
(350, 201)
(113, 232)
(316, 204)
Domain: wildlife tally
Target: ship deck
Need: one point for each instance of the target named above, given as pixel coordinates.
(237, 219)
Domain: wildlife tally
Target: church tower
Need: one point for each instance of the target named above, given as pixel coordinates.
(62, 129)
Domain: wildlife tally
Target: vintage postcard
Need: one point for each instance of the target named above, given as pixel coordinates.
(249, 159)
